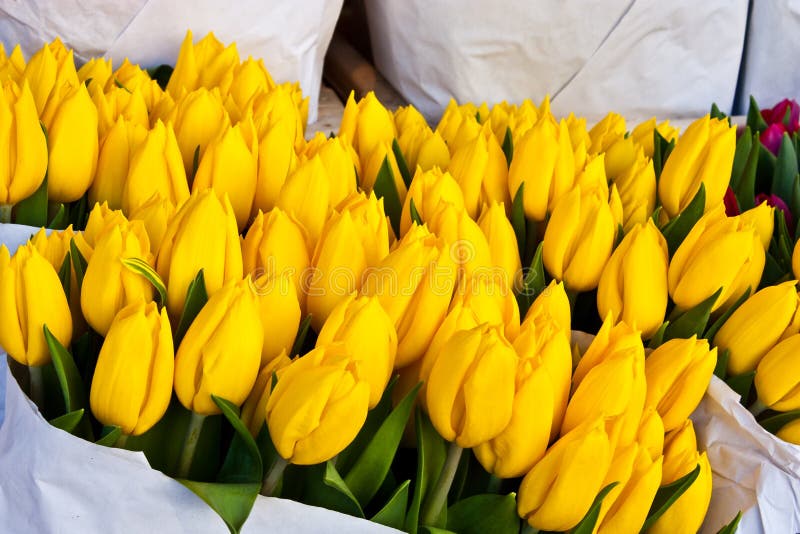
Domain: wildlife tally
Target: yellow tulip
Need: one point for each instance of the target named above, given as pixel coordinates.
(198, 118)
(502, 244)
(132, 383)
(592, 179)
(702, 155)
(249, 79)
(428, 189)
(790, 432)
(545, 163)
(97, 71)
(156, 215)
(31, 296)
(629, 510)
(201, 235)
(254, 409)
(221, 351)
(469, 248)
(317, 407)
(24, 163)
(687, 513)
(108, 286)
(558, 491)
(280, 105)
(606, 132)
(578, 240)
(275, 245)
(479, 167)
(135, 78)
(118, 102)
(101, 219)
(717, 253)
(761, 218)
(778, 376)
(338, 158)
(280, 313)
(458, 125)
(651, 432)
(422, 147)
(276, 160)
(12, 66)
(209, 63)
(367, 124)
(71, 121)
(48, 70)
(470, 393)
(552, 303)
(523, 442)
(113, 162)
(368, 334)
(372, 166)
(620, 156)
(306, 196)
(633, 286)
(643, 134)
(756, 326)
(414, 284)
(229, 166)
(408, 118)
(612, 340)
(678, 373)
(637, 191)
(493, 302)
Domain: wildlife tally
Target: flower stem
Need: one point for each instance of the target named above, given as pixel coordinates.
(122, 440)
(438, 498)
(190, 444)
(5, 213)
(37, 386)
(273, 476)
(757, 407)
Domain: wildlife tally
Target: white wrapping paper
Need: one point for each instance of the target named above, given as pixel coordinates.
(637, 57)
(51, 481)
(291, 37)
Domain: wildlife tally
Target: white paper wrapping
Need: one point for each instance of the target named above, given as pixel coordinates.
(769, 71)
(51, 481)
(752, 470)
(291, 37)
(637, 57)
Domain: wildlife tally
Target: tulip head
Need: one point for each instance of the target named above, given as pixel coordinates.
(279, 311)
(340, 161)
(479, 167)
(467, 243)
(113, 162)
(254, 409)
(372, 166)
(643, 134)
(306, 196)
(118, 102)
(633, 498)
(687, 513)
(96, 71)
(606, 132)
(156, 215)
(276, 160)
(209, 63)
(428, 189)
(50, 68)
(198, 117)
(367, 125)
(132, 383)
(778, 375)
(637, 192)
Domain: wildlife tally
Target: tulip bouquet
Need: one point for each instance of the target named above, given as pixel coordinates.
(390, 322)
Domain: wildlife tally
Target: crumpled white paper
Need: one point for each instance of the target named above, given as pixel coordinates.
(752, 470)
(637, 57)
(291, 37)
(51, 481)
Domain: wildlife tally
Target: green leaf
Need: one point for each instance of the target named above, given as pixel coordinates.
(746, 186)
(300, 339)
(414, 213)
(393, 513)
(161, 75)
(773, 271)
(59, 221)
(326, 488)
(266, 448)
(65, 275)
(78, 262)
(508, 146)
(716, 113)
(741, 384)
(754, 119)
(110, 436)
(431, 454)
(785, 169)
(743, 147)
(518, 219)
(243, 461)
(32, 211)
(402, 166)
(79, 212)
(196, 298)
(69, 421)
(68, 377)
(587, 524)
(776, 422)
(434, 530)
(142, 268)
(386, 189)
(731, 527)
(232, 502)
(678, 228)
(372, 466)
(794, 205)
(714, 328)
(195, 162)
(692, 322)
(484, 513)
(661, 151)
(658, 337)
(120, 85)
(721, 369)
(667, 495)
(533, 283)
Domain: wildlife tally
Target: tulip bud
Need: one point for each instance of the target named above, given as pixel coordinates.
(468, 246)
(276, 160)
(578, 240)
(702, 155)
(71, 122)
(372, 167)
(250, 78)
(778, 376)
(275, 245)
(156, 215)
(414, 284)
(612, 340)
(479, 167)
(229, 166)
(470, 393)
(254, 409)
(502, 244)
(558, 491)
(762, 219)
(221, 351)
(31, 296)
(552, 303)
(620, 156)
(332, 403)
(113, 162)
(306, 196)
(279, 310)
(592, 179)
(101, 219)
(408, 118)
(651, 431)
(688, 512)
(421, 146)
(49, 69)
(755, 327)
(637, 267)
(12, 66)
(340, 161)
(717, 253)
(281, 105)
(458, 125)
(680, 452)
(96, 71)
(132, 383)
(367, 124)
(369, 338)
(790, 432)
(544, 162)
(118, 102)
(428, 189)
(637, 191)
(643, 134)
(208, 63)
(24, 163)
(108, 286)
(198, 118)
(134, 78)
(634, 496)
(202, 235)
(678, 373)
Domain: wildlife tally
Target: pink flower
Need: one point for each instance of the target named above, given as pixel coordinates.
(776, 114)
(771, 137)
(777, 202)
(731, 204)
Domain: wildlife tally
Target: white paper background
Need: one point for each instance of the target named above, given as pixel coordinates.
(291, 37)
(636, 57)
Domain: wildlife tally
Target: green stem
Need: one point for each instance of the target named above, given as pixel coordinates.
(273, 476)
(37, 386)
(122, 440)
(438, 498)
(5, 213)
(494, 484)
(757, 407)
(190, 444)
